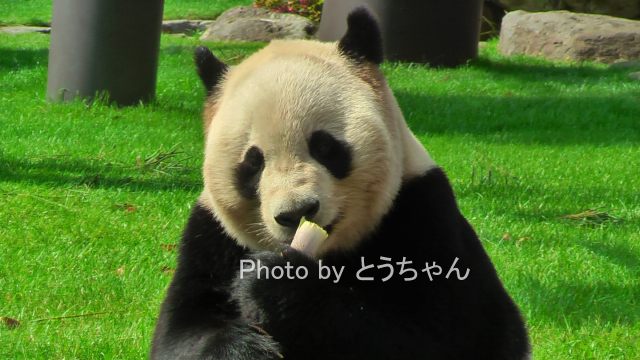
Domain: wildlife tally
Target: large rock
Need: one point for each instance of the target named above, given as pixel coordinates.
(563, 35)
(622, 8)
(628, 64)
(246, 23)
(184, 26)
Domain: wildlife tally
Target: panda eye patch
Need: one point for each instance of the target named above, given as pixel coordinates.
(333, 154)
(248, 173)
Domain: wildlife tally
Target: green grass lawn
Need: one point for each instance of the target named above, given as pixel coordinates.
(38, 12)
(92, 198)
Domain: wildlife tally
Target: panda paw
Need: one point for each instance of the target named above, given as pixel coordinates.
(241, 341)
(288, 259)
(274, 285)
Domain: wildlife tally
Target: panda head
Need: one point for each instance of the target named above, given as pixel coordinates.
(305, 129)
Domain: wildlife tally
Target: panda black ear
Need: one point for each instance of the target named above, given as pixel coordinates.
(210, 68)
(363, 41)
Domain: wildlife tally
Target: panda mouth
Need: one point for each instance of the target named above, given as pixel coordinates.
(329, 228)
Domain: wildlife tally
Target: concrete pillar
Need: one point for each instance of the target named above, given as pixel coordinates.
(100, 46)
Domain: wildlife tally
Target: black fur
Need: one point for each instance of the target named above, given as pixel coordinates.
(198, 318)
(209, 68)
(209, 309)
(363, 41)
(248, 173)
(333, 154)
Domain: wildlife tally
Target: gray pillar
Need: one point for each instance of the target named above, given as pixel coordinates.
(437, 32)
(102, 46)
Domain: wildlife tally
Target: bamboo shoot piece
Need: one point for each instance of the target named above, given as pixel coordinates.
(308, 238)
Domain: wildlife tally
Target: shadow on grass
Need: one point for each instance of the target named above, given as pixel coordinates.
(554, 201)
(73, 172)
(23, 58)
(617, 254)
(576, 303)
(545, 71)
(604, 120)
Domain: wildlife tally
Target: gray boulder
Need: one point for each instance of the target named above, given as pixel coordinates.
(247, 23)
(562, 35)
(184, 26)
(621, 8)
(625, 64)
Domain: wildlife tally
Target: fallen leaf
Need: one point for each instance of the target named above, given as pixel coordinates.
(120, 271)
(167, 270)
(169, 247)
(126, 207)
(506, 236)
(10, 323)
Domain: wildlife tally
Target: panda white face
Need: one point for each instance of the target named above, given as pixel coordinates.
(299, 134)
(303, 128)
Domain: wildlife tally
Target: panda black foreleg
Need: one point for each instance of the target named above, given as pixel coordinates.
(198, 319)
(319, 319)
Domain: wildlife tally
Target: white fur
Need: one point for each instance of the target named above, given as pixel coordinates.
(274, 100)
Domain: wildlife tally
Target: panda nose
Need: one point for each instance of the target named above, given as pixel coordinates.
(291, 218)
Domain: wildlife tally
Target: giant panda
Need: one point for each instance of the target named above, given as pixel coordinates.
(310, 129)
